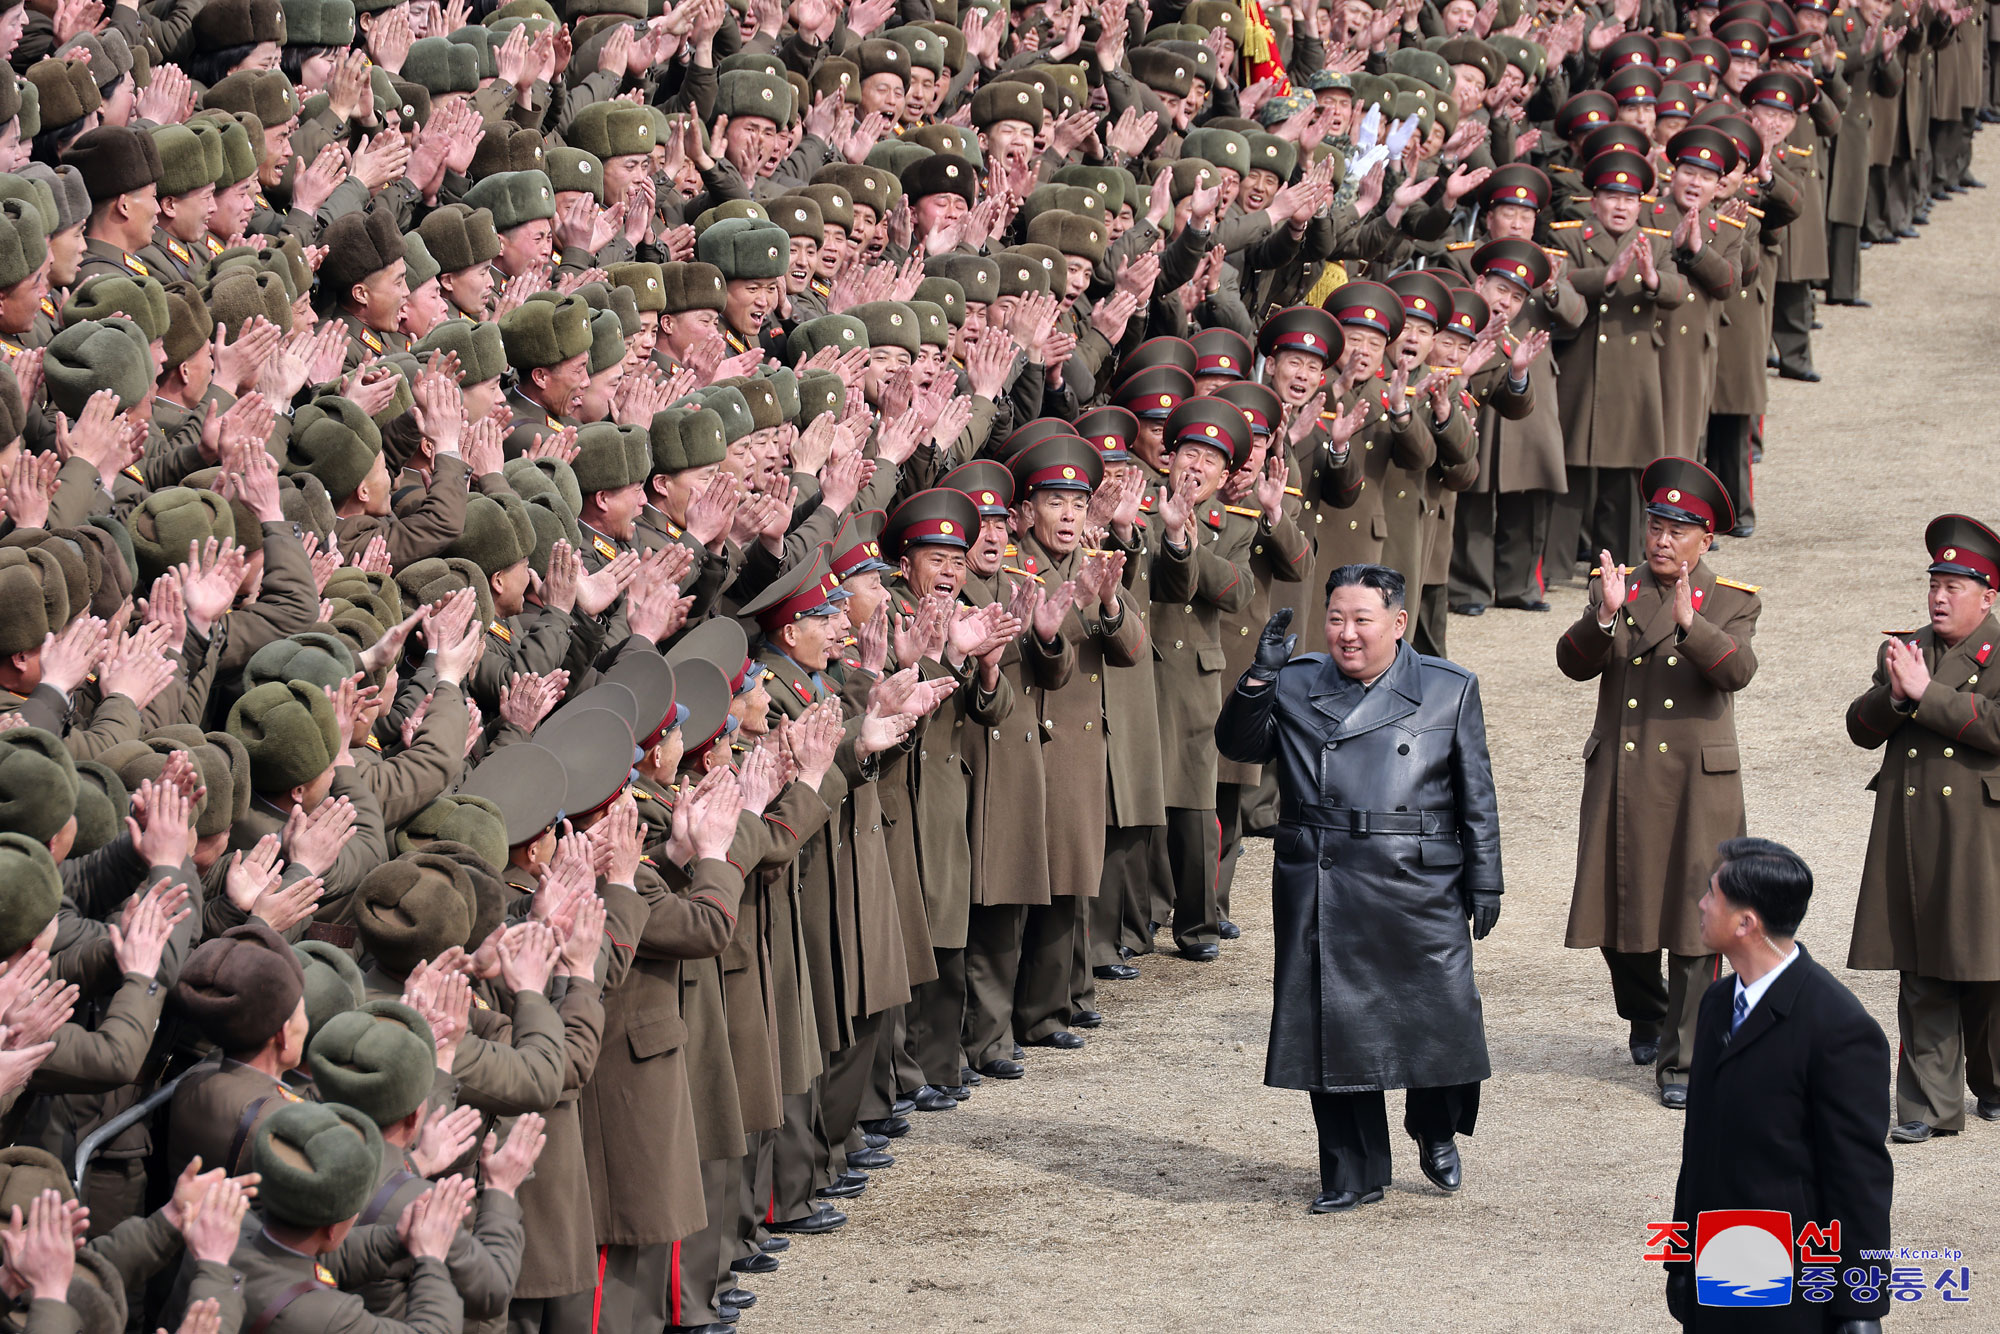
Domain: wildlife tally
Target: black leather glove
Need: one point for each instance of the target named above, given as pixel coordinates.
(1485, 912)
(1680, 1289)
(1274, 647)
(1858, 1327)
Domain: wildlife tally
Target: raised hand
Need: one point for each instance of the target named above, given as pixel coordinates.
(1611, 586)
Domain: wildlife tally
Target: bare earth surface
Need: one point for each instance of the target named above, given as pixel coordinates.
(1150, 1181)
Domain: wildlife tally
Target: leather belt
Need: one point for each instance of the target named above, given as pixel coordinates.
(1361, 824)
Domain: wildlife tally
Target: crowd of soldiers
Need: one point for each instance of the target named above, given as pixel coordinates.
(530, 535)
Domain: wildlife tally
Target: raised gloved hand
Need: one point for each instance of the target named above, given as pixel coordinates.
(1274, 647)
(1485, 912)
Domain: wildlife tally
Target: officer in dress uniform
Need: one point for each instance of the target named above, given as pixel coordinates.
(1669, 646)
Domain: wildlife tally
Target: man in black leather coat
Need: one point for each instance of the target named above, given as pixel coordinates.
(1388, 842)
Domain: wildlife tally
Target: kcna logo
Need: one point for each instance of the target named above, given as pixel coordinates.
(1743, 1257)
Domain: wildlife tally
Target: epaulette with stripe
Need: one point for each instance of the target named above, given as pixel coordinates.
(1565, 224)
(500, 632)
(1023, 573)
(1737, 223)
(1462, 245)
(1732, 583)
(372, 744)
(1246, 513)
(1655, 231)
(1797, 151)
(1294, 491)
(1757, 213)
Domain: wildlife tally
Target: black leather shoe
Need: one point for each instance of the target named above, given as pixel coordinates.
(901, 1107)
(930, 1099)
(1867, 244)
(1987, 116)
(1019, 1055)
(755, 1264)
(1915, 1132)
(1909, 233)
(1674, 1097)
(970, 1077)
(822, 1219)
(869, 1141)
(1062, 1040)
(1987, 1109)
(775, 1245)
(726, 1316)
(1341, 1201)
(1002, 1069)
(1770, 361)
(891, 1127)
(739, 1297)
(1440, 1164)
(1748, 528)
(1645, 1050)
(845, 1187)
(1971, 183)
(1086, 1019)
(1469, 609)
(1817, 326)
(871, 1160)
(713, 1327)
(1127, 952)
(1229, 930)
(1788, 373)
(1522, 604)
(1202, 953)
(958, 1092)
(1854, 302)
(1114, 972)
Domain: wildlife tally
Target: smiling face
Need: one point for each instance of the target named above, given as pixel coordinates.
(1362, 631)
(748, 302)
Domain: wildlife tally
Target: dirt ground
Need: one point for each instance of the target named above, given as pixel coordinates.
(1151, 1181)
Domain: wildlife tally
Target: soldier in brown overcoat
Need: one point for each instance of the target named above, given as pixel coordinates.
(1926, 905)
(1669, 647)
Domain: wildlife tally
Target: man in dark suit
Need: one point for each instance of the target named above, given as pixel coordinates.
(1788, 1097)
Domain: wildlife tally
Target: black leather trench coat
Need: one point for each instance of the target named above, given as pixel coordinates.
(1387, 827)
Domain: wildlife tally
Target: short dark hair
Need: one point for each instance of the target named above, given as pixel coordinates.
(1387, 582)
(1768, 878)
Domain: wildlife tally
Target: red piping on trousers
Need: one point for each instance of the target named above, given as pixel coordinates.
(597, 1295)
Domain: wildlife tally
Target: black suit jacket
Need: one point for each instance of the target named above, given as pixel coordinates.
(1789, 1114)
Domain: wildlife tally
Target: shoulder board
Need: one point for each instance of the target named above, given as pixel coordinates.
(1009, 550)
(1246, 513)
(1579, 199)
(1731, 583)
(641, 794)
(1462, 245)
(321, 1274)
(1597, 570)
(604, 548)
(1561, 171)
(480, 1004)
(1797, 151)
(1649, 198)
(1733, 222)
(48, 308)
(1757, 213)
(500, 632)
(134, 473)
(180, 252)
(10, 347)
(1023, 573)
(372, 340)
(1655, 231)
(1554, 252)
(372, 744)
(132, 263)
(1294, 491)
(1565, 224)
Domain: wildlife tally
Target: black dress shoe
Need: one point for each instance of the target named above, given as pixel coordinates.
(1341, 1201)
(1229, 930)
(713, 1327)
(845, 1186)
(1521, 604)
(775, 1245)
(1469, 609)
(1644, 1050)
(1910, 233)
(930, 1099)
(1202, 953)
(1674, 1097)
(1788, 373)
(1987, 1109)
(958, 1092)
(869, 1141)
(739, 1297)
(1062, 1040)
(755, 1264)
(1855, 302)
(901, 1107)
(726, 1316)
(1970, 183)
(1817, 326)
(1002, 1069)
(1748, 528)
(1086, 1019)
(1114, 972)
(1019, 1055)
(1866, 244)
(1988, 116)
(1440, 1164)
(890, 1127)
(1127, 952)
(1916, 1132)
(822, 1219)
(1770, 361)
(970, 1077)
(870, 1160)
